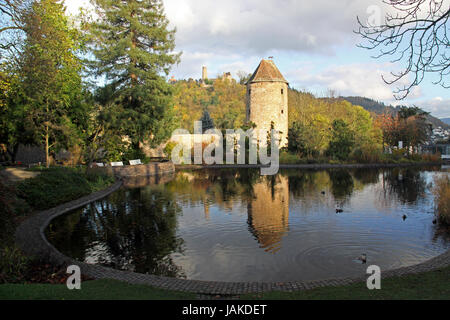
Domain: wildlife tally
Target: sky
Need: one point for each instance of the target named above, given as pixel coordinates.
(311, 42)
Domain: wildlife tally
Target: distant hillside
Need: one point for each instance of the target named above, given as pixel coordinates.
(446, 120)
(379, 108)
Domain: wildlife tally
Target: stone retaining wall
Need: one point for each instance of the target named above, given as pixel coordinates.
(143, 170)
(31, 239)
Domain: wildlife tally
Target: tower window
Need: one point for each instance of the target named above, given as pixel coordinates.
(282, 111)
(282, 91)
(249, 91)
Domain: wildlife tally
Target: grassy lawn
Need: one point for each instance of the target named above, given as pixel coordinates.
(430, 285)
(90, 290)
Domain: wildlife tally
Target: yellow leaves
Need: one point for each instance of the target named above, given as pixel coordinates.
(5, 87)
(318, 114)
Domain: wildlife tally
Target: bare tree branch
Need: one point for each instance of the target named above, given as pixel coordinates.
(416, 35)
(11, 25)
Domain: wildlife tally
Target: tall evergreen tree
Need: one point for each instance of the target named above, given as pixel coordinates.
(133, 49)
(342, 141)
(207, 122)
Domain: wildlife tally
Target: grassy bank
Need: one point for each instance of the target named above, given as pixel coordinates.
(442, 199)
(58, 185)
(381, 158)
(50, 188)
(90, 290)
(429, 285)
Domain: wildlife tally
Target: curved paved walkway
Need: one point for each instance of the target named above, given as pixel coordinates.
(31, 239)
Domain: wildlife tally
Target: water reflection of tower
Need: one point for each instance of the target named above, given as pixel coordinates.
(268, 211)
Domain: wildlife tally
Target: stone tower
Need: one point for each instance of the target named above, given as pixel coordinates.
(204, 73)
(267, 99)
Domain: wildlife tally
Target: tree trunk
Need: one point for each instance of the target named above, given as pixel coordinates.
(13, 152)
(47, 163)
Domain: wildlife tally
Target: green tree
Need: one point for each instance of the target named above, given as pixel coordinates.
(50, 73)
(207, 122)
(16, 123)
(133, 49)
(297, 139)
(342, 140)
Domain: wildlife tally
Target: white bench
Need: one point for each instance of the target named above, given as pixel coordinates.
(135, 162)
(99, 164)
(117, 164)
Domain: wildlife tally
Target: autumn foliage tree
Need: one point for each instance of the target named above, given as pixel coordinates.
(50, 73)
(409, 125)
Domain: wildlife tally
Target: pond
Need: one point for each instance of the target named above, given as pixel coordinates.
(236, 225)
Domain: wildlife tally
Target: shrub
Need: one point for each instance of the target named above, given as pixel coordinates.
(168, 149)
(367, 154)
(432, 157)
(415, 157)
(342, 141)
(133, 154)
(98, 180)
(441, 192)
(13, 264)
(290, 158)
(58, 185)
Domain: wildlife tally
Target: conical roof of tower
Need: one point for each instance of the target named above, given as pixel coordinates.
(267, 71)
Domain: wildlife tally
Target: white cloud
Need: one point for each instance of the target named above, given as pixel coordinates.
(438, 106)
(349, 80)
(258, 26)
(233, 35)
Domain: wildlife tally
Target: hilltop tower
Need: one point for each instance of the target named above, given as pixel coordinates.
(204, 73)
(267, 99)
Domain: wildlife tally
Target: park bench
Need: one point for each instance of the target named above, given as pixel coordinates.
(135, 162)
(117, 164)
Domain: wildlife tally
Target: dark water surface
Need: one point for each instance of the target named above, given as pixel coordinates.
(235, 225)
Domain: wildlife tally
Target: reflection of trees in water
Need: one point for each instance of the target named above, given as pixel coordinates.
(133, 229)
(406, 183)
(441, 233)
(367, 176)
(341, 184)
(217, 186)
(306, 183)
(303, 182)
(69, 233)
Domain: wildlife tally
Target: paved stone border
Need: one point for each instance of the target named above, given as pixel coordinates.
(31, 239)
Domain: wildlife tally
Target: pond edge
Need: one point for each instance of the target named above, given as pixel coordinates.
(30, 238)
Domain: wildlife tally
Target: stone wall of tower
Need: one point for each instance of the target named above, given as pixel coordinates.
(267, 102)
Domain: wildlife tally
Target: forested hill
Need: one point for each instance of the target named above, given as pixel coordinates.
(312, 118)
(379, 108)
